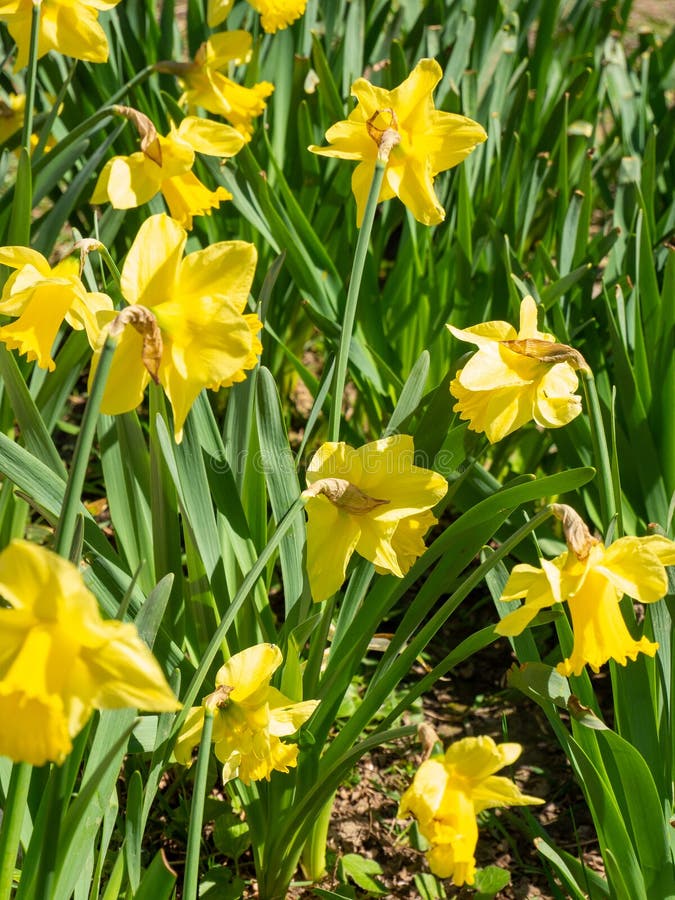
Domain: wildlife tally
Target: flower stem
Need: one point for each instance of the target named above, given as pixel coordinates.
(352, 300)
(12, 820)
(600, 451)
(191, 879)
(31, 75)
(65, 528)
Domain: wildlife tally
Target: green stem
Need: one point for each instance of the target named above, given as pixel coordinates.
(600, 450)
(352, 300)
(102, 250)
(12, 820)
(31, 75)
(65, 528)
(191, 879)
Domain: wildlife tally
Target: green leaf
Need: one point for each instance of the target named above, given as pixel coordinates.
(574, 875)
(220, 883)
(361, 871)
(282, 482)
(158, 880)
(22, 204)
(231, 835)
(490, 880)
(411, 394)
(133, 829)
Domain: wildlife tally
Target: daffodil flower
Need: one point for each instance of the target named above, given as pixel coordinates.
(275, 14)
(429, 141)
(68, 26)
(187, 327)
(42, 297)
(165, 164)
(592, 580)
(250, 718)
(373, 501)
(59, 659)
(516, 376)
(449, 791)
(208, 88)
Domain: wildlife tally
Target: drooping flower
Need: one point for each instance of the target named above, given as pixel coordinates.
(165, 164)
(592, 579)
(516, 376)
(207, 87)
(41, 297)
(275, 14)
(250, 718)
(59, 659)
(373, 501)
(68, 26)
(189, 330)
(449, 791)
(429, 141)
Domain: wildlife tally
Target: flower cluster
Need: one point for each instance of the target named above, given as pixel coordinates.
(449, 791)
(59, 659)
(250, 718)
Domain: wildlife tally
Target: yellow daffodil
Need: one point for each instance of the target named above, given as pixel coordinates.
(68, 26)
(207, 87)
(516, 376)
(165, 164)
(373, 501)
(449, 791)
(429, 141)
(592, 579)
(59, 659)
(275, 14)
(189, 330)
(42, 297)
(250, 718)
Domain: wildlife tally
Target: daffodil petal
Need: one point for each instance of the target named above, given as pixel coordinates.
(189, 736)
(210, 138)
(246, 671)
(331, 539)
(150, 272)
(127, 378)
(499, 791)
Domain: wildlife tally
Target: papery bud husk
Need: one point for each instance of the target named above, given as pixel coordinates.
(344, 495)
(578, 537)
(146, 325)
(548, 352)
